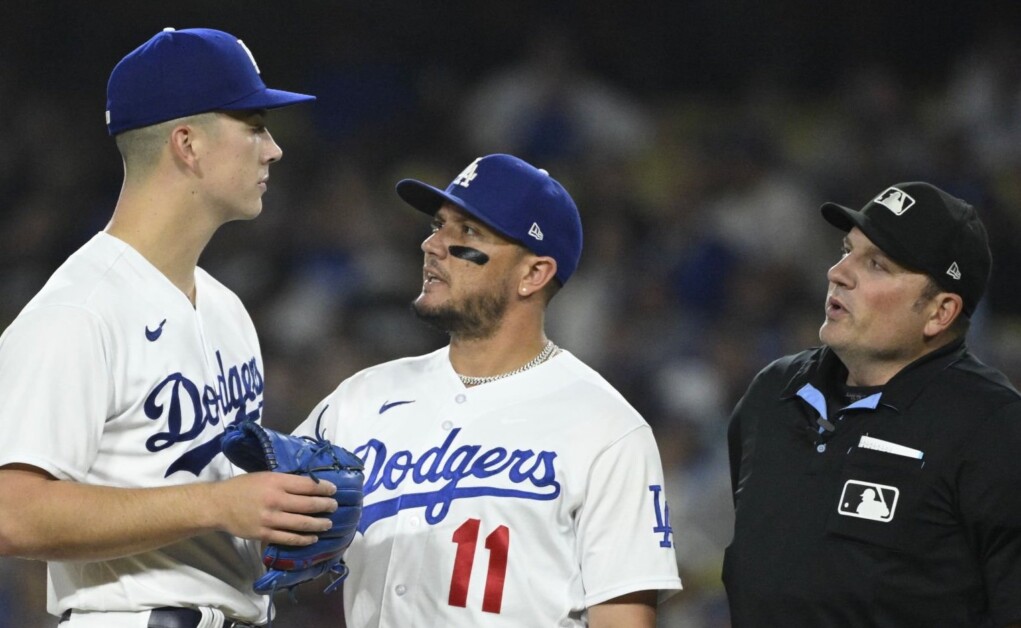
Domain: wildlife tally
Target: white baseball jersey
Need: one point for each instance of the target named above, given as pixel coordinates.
(110, 376)
(520, 502)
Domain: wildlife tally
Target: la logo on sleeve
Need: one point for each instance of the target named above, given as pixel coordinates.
(662, 515)
(866, 500)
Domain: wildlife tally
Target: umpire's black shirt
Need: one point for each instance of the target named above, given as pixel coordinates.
(831, 531)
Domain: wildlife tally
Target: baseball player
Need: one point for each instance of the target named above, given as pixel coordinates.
(121, 374)
(506, 483)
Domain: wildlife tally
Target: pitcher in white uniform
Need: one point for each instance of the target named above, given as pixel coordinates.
(120, 375)
(507, 483)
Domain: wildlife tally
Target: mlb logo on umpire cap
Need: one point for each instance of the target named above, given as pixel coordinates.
(514, 198)
(896, 200)
(179, 73)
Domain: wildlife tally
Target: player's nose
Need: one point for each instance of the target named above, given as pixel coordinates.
(273, 151)
(839, 273)
(434, 244)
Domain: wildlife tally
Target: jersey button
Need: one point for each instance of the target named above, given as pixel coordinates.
(414, 521)
(821, 447)
(461, 398)
(400, 589)
(447, 425)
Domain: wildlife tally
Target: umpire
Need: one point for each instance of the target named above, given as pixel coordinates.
(877, 478)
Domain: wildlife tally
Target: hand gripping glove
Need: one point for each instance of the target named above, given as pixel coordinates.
(255, 448)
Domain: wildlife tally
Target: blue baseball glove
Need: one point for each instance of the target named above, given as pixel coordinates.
(255, 448)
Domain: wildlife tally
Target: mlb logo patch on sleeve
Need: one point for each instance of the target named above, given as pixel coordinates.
(865, 500)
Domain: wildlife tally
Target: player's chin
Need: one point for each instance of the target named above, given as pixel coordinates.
(252, 211)
(830, 333)
(424, 302)
(429, 305)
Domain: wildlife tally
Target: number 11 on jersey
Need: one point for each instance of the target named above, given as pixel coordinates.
(466, 537)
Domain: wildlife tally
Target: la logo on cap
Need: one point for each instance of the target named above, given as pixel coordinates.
(468, 174)
(250, 56)
(895, 200)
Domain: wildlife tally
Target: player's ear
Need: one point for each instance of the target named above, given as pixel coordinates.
(183, 144)
(947, 307)
(538, 272)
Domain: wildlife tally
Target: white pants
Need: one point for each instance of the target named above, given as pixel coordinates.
(211, 618)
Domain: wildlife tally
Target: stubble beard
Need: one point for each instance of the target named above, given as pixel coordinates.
(475, 318)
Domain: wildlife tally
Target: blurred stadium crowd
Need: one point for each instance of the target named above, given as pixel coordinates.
(705, 255)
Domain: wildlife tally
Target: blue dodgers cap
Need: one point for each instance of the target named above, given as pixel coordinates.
(180, 73)
(516, 199)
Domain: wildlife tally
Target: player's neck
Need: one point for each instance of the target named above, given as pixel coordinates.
(868, 369)
(162, 234)
(506, 350)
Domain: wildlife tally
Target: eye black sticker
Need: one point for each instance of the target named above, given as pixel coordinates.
(474, 256)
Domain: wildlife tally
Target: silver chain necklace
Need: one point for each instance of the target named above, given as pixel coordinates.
(547, 352)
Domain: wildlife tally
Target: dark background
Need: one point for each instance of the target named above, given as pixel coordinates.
(652, 48)
(698, 138)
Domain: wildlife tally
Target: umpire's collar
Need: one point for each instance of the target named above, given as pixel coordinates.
(824, 370)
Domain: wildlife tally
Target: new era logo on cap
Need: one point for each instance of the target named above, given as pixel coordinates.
(896, 200)
(954, 271)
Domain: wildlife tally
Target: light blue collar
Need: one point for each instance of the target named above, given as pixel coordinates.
(814, 397)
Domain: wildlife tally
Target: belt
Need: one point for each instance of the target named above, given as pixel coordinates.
(170, 617)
